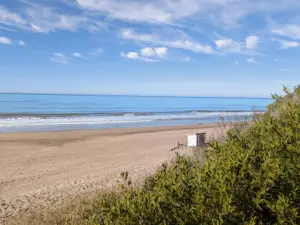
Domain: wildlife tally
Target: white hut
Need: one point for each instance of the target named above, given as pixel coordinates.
(196, 140)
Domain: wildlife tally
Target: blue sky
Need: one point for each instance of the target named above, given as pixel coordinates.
(143, 47)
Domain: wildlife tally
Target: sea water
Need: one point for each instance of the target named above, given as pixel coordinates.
(40, 112)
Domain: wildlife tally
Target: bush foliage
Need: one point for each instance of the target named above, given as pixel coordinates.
(251, 178)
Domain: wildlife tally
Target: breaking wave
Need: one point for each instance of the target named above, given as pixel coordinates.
(56, 120)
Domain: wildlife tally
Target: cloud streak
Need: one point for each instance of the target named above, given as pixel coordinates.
(9, 18)
(65, 58)
(154, 39)
(222, 12)
(290, 30)
(60, 58)
(289, 44)
(40, 19)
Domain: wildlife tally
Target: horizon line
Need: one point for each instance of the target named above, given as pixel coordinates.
(134, 95)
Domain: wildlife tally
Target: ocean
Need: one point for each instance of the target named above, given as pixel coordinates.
(41, 112)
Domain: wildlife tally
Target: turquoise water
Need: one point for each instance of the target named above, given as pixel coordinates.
(32, 112)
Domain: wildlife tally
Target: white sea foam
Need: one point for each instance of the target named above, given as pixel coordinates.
(33, 121)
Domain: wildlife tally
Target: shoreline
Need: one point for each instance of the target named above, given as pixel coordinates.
(49, 115)
(96, 122)
(119, 130)
(40, 169)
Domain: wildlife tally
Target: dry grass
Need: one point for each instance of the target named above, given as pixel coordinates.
(74, 209)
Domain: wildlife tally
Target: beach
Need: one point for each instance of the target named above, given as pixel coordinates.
(54, 148)
(38, 170)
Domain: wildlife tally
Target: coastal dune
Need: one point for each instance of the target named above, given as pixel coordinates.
(40, 169)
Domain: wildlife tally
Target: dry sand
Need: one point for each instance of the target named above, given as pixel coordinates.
(39, 169)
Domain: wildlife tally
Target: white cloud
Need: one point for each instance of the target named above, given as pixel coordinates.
(229, 46)
(251, 42)
(132, 55)
(76, 55)
(21, 43)
(60, 58)
(181, 44)
(251, 60)
(223, 43)
(5, 40)
(289, 44)
(291, 30)
(161, 52)
(136, 56)
(148, 52)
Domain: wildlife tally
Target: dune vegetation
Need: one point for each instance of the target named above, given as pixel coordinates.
(253, 177)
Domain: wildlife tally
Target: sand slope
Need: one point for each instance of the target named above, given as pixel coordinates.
(40, 169)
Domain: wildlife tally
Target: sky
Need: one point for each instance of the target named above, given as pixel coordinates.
(245, 48)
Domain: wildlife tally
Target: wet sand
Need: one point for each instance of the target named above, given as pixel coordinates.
(40, 169)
